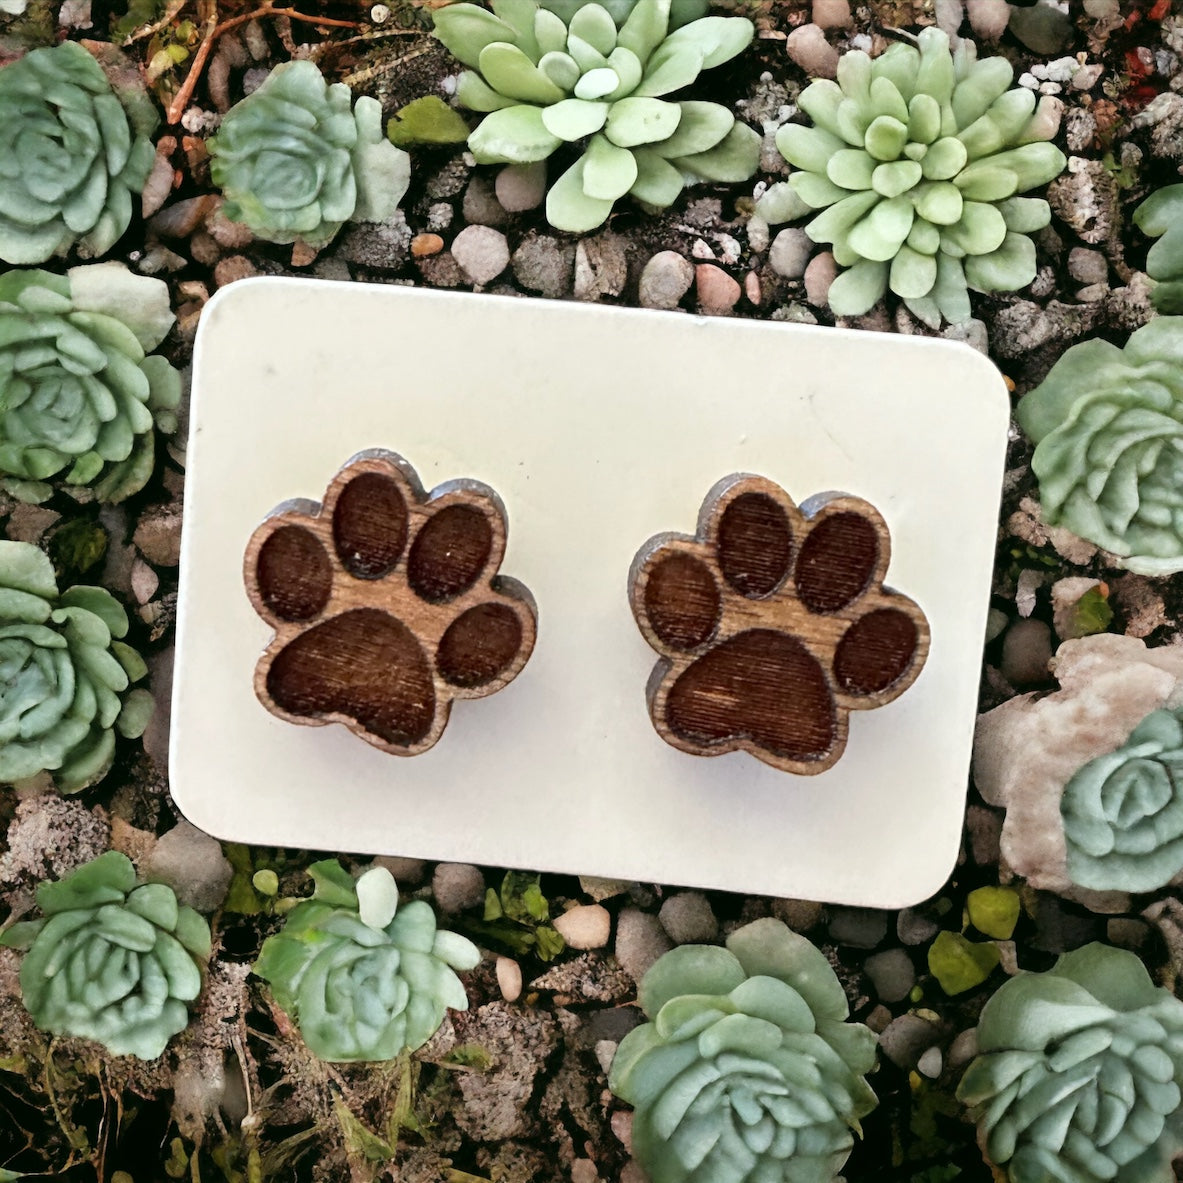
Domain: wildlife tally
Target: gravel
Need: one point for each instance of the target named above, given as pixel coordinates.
(457, 886)
(666, 280)
(689, 919)
(193, 865)
(481, 252)
(640, 941)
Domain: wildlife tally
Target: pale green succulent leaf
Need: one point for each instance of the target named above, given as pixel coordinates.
(597, 84)
(851, 168)
(645, 29)
(511, 73)
(515, 135)
(810, 148)
(550, 33)
(880, 234)
(520, 15)
(562, 69)
(658, 182)
(573, 119)
(635, 121)
(913, 274)
(593, 23)
(1006, 269)
(835, 222)
(701, 126)
(717, 38)
(895, 178)
(670, 68)
(733, 159)
(473, 92)
(780, 203)
(465, 30)
(608, 170)
(859, 288)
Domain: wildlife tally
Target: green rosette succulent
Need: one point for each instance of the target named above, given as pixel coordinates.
(111, 961)
(545, 82)
(1161, 216)
(78, 393)
(64, 675)
(364, 978)
(72, 156)
(296, 161)
(1108, 428)
(1123, 813)
(1079, 1076)
(746, 1071)
(915, 159)
(682, 12)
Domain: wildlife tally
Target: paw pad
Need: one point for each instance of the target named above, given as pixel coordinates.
(386, 604)
(773, 624)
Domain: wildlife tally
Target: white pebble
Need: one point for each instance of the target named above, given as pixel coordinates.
(509, 978)
(586, 926)
(481, 252)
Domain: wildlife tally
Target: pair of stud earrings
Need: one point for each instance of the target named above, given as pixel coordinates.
(771, 621)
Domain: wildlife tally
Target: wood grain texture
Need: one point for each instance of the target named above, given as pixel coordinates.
(773, 624)
(387, 604)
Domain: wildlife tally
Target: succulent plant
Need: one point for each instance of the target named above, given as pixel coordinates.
(72, 156)
(915, 159)
(1161, 216)
(682, 12)
(111, 961)
(1079, 1075)
(295, 161)
(364, 978)
(1123, 812)
(746, 1071)
(1108, 429)
(63, 675)
(545, 83)
(77, 391)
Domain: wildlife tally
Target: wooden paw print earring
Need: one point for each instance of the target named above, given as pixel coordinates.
(387, 604)
(773, 624)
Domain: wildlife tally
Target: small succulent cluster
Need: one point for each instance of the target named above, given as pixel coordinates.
(1161, 216)
(64, 675)
(79, 394)
(1108, 429)
(544, 82)
(297, 162)
(1123, 813)
(72, 156)
(364, 978)
(746, 1070)
(1080, 1073)
(915, 160)
(111, 960)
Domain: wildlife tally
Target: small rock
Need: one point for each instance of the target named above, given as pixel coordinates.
(632, 1172)
(914, 928)
(622, 1125)
(1124, 932)
(407, 872)
(1086, 77)
(878, 1019)
(521, 187)
(382, 246)
(930, 1063)
(1085, 197)
(906, 1039)
(665, 280)
(601, 266)
(701, 250)
(984, 827)
(509, 978)
(144, 581)
(988, 18)
(757, 234)
(602, 889)
(808, 47)
(1066, 596)
(831, 14)
(180, 219)
(232, 268)
(158, 535)
(542, 264)
(481, 252)
(27, 523)
(640, 941)
(821, 272)
(1026, 651)
(583, 1170)
(590, 977)
(799, 915)
(790, 253)
(1080, 128)
(442, 271)
(753, 289)
(972, 332)
(586, 926)
(605, 1050)
(425, 245)
(717, 291)
(860, 928)
(457, 886)
(193, 865)
(892, 974)
(481, 207)
(964, 1048)
(688, 918)
(234, 236)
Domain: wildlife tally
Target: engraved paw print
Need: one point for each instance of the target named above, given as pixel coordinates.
(773, 625)
(386, 604)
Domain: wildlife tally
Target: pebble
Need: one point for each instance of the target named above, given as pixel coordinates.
(753, 289)
(808, 47)
(790, 253)
(231, 235)
(632, 1172)
(233, 268)
(144, 581)
(640, 941)
(601, 266)
(1026, 651)
(701, 250)
(758, 234)
(878, 1019)
(622, 1127)
(931, 1063)
(440, 216)
(689, 919)
(821, 272)
(442, 271)
(963, 1048)
(717, 292)
(1085, 198)
(860, 928)
(583, 1170)
(1127, 933)
(988, 18)
(457, 886)
(481, 252)
(521, 187)
(904, 1040)
(407, 872)
(1087, 77)
(602, 889)
(914, 928)
(586, 926)
(158, 535)
(193, 865)
(892, 974)
(1087, 266)
(542, 264)
(665, 280)
(481, 207)
(27, 523)
(509, 978)
(380, 245)
(799, 915)
(424, 245)
(180, 219)
(831, 14)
